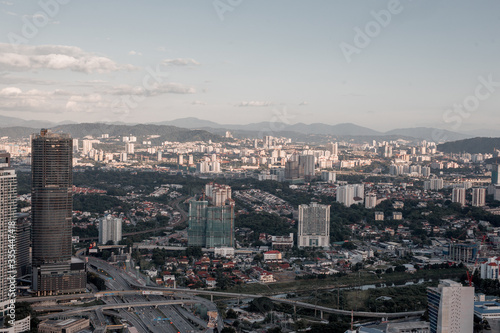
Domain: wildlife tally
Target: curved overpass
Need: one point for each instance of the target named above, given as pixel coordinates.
(118, 306)
(290, 302)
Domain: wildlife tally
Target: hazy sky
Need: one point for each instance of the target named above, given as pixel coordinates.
(380, 64)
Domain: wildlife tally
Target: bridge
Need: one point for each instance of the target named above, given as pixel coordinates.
(295, 304)
(144, 290)
(127, 306)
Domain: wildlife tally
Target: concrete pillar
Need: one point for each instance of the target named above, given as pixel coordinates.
(321, 314)
(211, 298)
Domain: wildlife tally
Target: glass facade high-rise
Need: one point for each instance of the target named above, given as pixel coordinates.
(8, 208)
(211, 226)
(53, 271)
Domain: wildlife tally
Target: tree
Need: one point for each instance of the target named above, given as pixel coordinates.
(231, 314)
(349, 246)
(400, 268)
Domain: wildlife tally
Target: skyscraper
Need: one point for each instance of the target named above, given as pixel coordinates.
(8, 207)
(370, 200)
(495, 174)
(314, 225)
(458, 195)
(110, 229)
(53, 271)
(211, 226)
(333, 148)
(451, 307)
(478, 197)
(345, 195)
(307, 162)
(23, 239)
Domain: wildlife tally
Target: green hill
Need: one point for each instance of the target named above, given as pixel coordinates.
(473, 146)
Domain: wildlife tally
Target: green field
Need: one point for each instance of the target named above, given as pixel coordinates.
(352, 280)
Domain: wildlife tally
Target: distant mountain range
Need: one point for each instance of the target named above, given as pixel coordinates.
(17, 122)
(339, 130)
(299, 131)
(166, 133)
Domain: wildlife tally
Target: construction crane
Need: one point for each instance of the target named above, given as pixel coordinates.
(473, 268)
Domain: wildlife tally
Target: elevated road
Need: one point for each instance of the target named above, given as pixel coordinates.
(100, 308)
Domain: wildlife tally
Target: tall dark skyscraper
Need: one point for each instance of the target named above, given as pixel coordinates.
(53, 271)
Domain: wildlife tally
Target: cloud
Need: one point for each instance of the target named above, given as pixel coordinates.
(135, 53)
(55, 57)
(55, 101)
(88, 103)
(303, 103)
(9, 79)
(181, 62)
(15, 99)
(153, 90)
(256, 103)
(199, 103)
(7, 3)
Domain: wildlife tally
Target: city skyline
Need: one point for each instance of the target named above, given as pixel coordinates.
(253, 61)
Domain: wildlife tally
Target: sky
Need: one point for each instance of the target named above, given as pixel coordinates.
(379, 64)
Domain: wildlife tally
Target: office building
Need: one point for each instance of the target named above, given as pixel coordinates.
(110, 229)
(495, 172)
(314, 225)
(71, 325)
(451, 307)
(8, 208)
(211, 226)
(53, 271)
(458, 195)
(478, 197)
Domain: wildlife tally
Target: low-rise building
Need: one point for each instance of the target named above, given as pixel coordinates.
(273, 255)
(70, 325)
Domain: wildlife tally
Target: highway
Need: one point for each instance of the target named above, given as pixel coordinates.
(129, 306)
